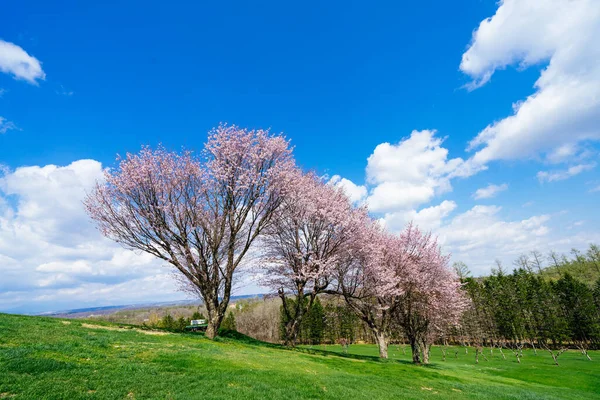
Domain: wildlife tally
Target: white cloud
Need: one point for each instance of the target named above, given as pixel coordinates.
(356, 193)
(50, 251)
(427, 219)
(412, 172)
(16, 62)
(392, 196)
(489, 191)
(565, 108)
(479, 235)
(2, 91)
(75, 267)
(404, 176)
(563, 153)
(552, 176)
(6, 126)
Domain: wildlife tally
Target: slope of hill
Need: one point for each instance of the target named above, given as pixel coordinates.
(585, 272)
(106, 310)
(74, 359)
(583, 266)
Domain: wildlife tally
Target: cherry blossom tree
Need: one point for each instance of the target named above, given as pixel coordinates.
(427, 293)
(201, 214)
(359, 281)
(401, 281)
(309, 237)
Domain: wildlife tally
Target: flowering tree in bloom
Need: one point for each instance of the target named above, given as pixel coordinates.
(401, 281)
(359, 281)
(427, 293)
(200, 214)
(308, 238)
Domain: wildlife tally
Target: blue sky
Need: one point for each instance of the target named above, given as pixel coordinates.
(412, 108)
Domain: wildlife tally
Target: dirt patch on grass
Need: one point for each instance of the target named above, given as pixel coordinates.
(115, 328)
(65, 322)
(157, 333)
(108, 328)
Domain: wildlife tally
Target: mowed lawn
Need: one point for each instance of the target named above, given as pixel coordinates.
(44, 358)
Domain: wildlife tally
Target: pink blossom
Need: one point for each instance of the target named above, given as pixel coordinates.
(200, 214)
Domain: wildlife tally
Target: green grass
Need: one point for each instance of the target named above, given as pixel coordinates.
(44, 358)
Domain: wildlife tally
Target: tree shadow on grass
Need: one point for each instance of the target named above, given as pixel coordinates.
(327, 353)
(226, 335)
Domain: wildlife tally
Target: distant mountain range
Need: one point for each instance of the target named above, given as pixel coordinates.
(83, 312)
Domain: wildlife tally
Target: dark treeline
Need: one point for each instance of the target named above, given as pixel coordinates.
(330, 323)
(548, 303)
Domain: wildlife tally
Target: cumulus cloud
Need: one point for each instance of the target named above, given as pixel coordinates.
(18, 63)
(6, 126)
(411, 172)
(51, 255)
(564, 110)
(557, 123)
(428, 219)
(403, 177)
(489, 191)
(356, 193)
(479, 235)
(559, 175)
(482, 234)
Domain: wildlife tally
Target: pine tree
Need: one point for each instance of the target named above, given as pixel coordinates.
(315, 323)
(229, 322)
(597, 296)
(330, 328)
(198, 315)
(348, 322)
(577, 303)
(181, 323)
(168, 322)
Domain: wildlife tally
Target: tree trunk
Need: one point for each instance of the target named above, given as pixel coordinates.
(213, 327)
(295, 312)
(416, 350)
(215, 317)
(382, 342)
(425, 353)
(291, 332)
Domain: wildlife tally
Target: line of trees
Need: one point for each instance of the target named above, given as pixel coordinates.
(533, 306)
(204, 214)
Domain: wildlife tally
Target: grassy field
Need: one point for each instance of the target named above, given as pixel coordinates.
(43, 358)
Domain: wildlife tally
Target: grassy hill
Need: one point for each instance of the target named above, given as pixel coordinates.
(44, 358)
(584, 266)
(584, 272)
